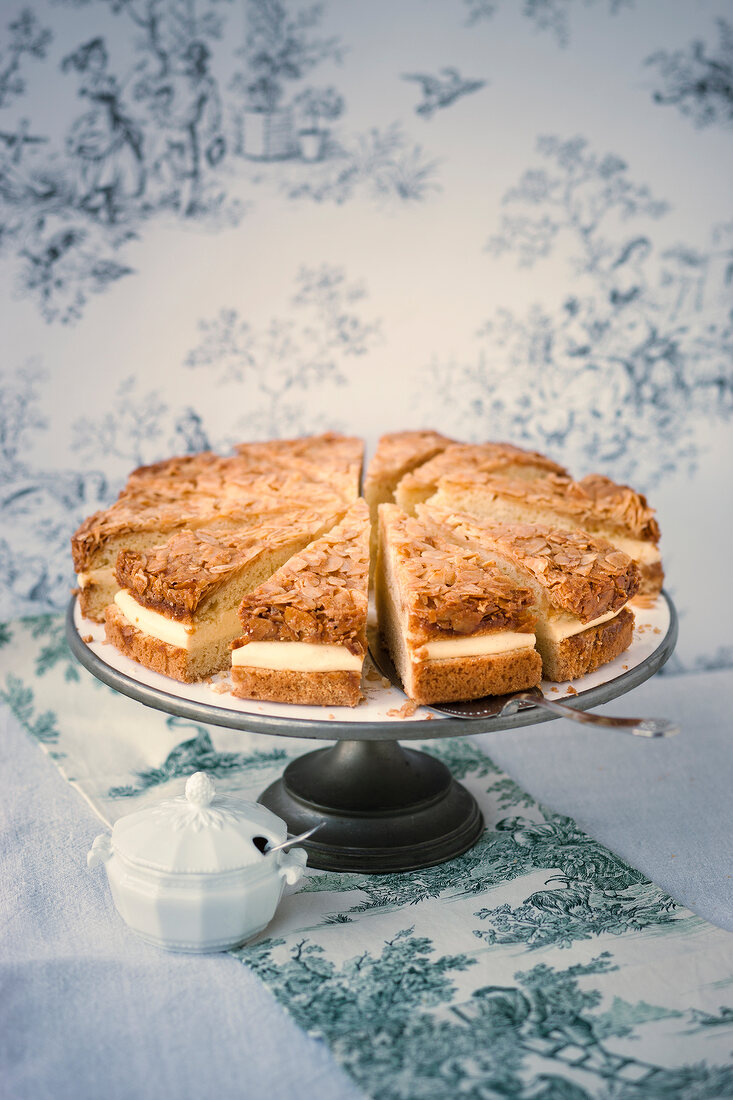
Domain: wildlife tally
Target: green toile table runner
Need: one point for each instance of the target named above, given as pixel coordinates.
(538, 965)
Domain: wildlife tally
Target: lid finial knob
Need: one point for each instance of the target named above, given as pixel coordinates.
(200, 789)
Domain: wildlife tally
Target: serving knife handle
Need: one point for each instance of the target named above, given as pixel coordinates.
(638, 727)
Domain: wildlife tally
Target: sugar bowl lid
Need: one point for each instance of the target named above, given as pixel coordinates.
(199, 832)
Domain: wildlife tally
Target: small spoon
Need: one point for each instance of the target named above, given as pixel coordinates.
(293, 840)
(494, 705)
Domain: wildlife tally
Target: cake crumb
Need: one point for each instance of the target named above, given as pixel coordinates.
(219, 687)
(428, 717)
(405, 711)
(372, 675)
(87, 638)
(554, 689)
(332, 717)
(571, 690)
(625, 668)
(385, 682)
(657, 630)
(645, 600)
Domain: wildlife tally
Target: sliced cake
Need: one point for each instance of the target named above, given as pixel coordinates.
(598, 506)
(303, 632)
(176, 608)
(580, 585)
(477, 461)
(147, 514)
(455, 625)
(397, 454)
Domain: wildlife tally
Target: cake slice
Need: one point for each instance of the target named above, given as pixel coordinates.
(632, 526)
(397, 454)
(304, 630)
(580, 586)
(477, 460)
(455, 625)
(135, 523)
(176, 608)
(330, 457)
(597, 505)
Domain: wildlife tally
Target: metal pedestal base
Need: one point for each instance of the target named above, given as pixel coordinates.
(385, 808)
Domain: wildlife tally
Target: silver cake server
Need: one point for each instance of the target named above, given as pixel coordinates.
(494, 705)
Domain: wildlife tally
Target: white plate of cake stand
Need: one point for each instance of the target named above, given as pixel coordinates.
(383, 808)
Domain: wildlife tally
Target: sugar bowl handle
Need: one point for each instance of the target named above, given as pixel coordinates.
(100, 850)
(291, 864)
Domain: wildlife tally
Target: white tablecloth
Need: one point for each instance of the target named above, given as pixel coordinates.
(87, 1010)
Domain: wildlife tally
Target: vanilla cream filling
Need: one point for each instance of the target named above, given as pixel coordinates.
(187, 636)
(296, 657)
(96, 576)
(565, 625)
(645, 552)
(479, 645)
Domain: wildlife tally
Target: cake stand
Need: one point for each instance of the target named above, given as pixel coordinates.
(382, 807)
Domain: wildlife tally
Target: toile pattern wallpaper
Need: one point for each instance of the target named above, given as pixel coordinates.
(224, 220)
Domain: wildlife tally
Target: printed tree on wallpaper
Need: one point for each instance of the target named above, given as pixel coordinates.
(40, 507)
(283, 46)
(141, 428)
(552, 16)
(36, 506)
(398, 1023)
(637, 354)
(698, 80)
(26, 40)
(289, 364)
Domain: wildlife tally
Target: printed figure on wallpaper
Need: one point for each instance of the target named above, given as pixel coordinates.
(174, 128)
(639, 352)
(105, 145)
(698, 79)
(396, 1021)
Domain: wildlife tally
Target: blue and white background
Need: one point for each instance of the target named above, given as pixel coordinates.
(226, 220)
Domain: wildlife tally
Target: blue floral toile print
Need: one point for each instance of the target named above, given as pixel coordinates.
(538, 964)
(638, 352)
(698, 79)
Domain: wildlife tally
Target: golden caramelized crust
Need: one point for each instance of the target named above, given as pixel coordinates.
(476, 462)
(127, 515)
(171, 476)
(329, 457)
(399, 452)
(447, 589)
(177, 576)
(622, 506)
(320, 596)
(596, 505)
(581, 574)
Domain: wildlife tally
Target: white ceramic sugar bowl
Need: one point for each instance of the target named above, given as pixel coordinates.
(193, 873)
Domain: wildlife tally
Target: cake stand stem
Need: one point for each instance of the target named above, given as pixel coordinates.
(384, 808)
